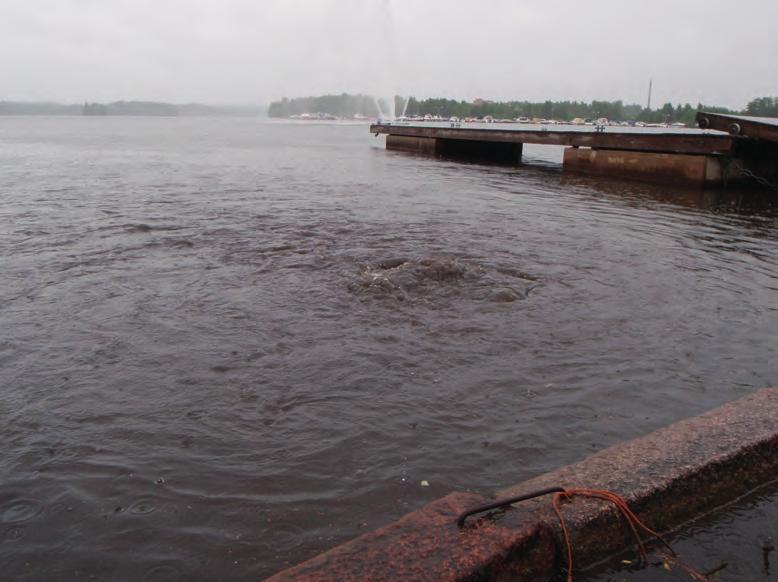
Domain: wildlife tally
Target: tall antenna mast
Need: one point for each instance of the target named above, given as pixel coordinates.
(650, 82)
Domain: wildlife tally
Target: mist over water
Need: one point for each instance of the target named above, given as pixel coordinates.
(227, 345)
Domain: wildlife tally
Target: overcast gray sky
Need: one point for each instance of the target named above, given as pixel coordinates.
(249, 51)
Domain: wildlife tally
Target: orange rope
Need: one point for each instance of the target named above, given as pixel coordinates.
(565, 534)
(632, 520)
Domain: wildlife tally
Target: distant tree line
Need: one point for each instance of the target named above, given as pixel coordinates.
(345, 105)
(131, 108)
(37, 108)
(127, 108)
(562, 110)
(763, 107)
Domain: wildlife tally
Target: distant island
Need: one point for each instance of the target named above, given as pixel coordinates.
(346, 106)
(128, 108)
(343, 106)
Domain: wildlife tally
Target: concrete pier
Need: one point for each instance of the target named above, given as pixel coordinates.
(690, 157)
(642, 139)
(667, 477)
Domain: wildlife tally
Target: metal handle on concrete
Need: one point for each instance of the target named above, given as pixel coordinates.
(508, 501)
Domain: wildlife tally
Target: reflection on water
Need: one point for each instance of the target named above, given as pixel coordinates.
(227, 345)
(737, 200)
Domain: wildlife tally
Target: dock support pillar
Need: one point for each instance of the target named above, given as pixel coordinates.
(688, 169)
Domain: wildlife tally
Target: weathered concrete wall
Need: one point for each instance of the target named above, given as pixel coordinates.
(693, 170)
(427, 545)
(422, 145)
(667, 477)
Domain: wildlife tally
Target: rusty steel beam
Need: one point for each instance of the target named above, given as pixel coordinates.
(636, 140)
(678, 169)
(748, 127)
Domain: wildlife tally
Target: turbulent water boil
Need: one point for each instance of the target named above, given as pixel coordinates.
(227, 345)
(428, 279)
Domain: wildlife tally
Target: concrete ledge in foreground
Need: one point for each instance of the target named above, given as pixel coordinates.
(668, 477)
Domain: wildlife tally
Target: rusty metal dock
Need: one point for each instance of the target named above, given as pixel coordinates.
(647, 139)
(755, 128)
(714, 154)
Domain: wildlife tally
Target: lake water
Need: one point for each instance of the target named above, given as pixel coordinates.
(227, 344)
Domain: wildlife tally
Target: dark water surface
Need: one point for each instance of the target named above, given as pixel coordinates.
(227, 345)
(736, 544)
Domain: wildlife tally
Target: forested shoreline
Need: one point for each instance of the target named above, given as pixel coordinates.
(350, 106)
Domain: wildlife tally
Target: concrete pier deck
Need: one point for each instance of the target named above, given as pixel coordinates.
(724, 148)
(642, 139)
(692, 157)
(668, 478)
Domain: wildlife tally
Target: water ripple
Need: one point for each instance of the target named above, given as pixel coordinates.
(255, 340)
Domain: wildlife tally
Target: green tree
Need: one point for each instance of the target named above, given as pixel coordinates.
(763, 107)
